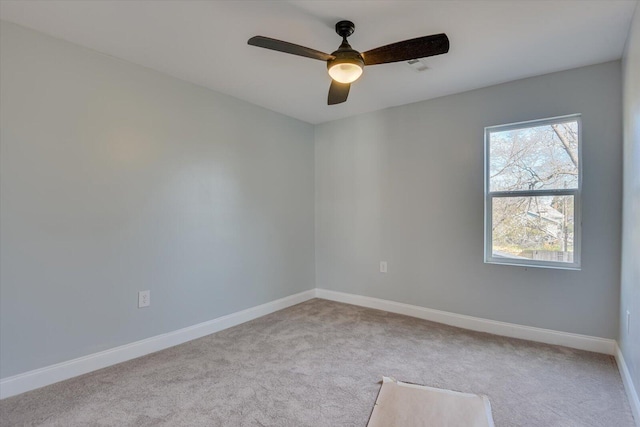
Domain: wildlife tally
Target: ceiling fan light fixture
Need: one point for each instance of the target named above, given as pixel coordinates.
(346, 64)
(346, 69)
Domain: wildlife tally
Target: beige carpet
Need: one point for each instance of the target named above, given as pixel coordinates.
(319, 364)
(410, 405)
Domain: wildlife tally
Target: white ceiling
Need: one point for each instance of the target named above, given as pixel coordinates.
(205, 42)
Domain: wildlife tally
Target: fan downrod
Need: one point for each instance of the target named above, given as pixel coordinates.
(345, 28)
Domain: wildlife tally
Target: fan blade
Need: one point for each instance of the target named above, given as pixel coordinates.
(338, 92)
(287, 47)
(420, 47)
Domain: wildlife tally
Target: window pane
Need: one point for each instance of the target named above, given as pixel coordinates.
(534, 158)
(539, 228)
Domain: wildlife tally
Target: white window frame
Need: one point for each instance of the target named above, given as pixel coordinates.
(490, 195)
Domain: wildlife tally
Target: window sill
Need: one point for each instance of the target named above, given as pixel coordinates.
(554, 266)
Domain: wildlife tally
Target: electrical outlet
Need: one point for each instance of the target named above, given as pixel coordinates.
(383, 266)
(144, 299)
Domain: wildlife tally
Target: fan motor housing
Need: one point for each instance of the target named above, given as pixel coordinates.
(346, 56)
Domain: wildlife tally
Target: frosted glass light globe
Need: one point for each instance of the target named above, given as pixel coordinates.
(345, 72)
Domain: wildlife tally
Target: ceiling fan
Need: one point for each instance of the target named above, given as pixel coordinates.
(345, 64)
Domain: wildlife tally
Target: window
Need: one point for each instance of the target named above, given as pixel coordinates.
(532, 193)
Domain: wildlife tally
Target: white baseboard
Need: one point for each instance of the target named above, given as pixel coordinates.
(548, 336)
(634, 401)
(37, 378)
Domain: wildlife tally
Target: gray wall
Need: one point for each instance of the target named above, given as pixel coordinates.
(115, 179)
(629, 339)
(405, 185)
